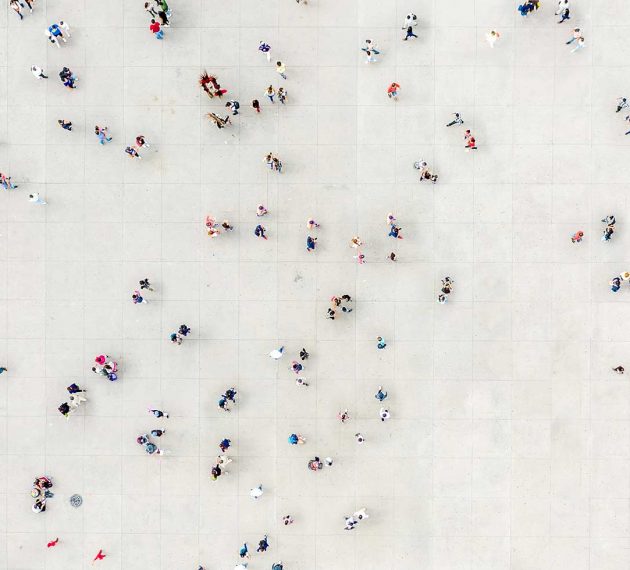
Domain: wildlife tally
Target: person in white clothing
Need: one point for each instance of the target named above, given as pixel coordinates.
(38, 72)
(492, 36)
(36, 199)
(65, 28)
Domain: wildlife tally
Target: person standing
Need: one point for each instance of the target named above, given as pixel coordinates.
(38, 72)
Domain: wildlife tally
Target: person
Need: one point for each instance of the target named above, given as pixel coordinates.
(38, 72)
(287, 520)
(5, 182)
(492, 36)
(295, 439)
(392, 256)
(447, 285)
(564, 14)
(310, 243)
(184, 330)
(581, 42)
(615, 284)
(158, 413)
(380, 343)
(384, 414)
(619, 369)
(343, 416)
(577, 34)
(244, 551)
(456, 121)
(138, 298)
(328, 461)
(392, 90)
(411, 20)
(282, 95)
(296, 366)
(471, 144)
(409, 33)
(303, 354)
(176, 338)
(278, 565)
(356, 242)
(370, 47)
(17, 8)
(315, 464)
(234, 106)
(132, 152)
(64, 409)
(144, 284)
(380, 395)
(34, 198)
(280, 69)
(259, 231)
(263, 544)
(270, 93)
(65, 28)
(608, 232)
(66, 125)
(299, 381)
(361, 514)
(141, 142)
(265, 49)
(256, 105)
(394, 231)
(101, 134)
(622, 103)
(68, 78)
(256, 492)
(577, 237)
(277, 353)
(55, 31)
(158, 432)
(156, 29)
(224, 444)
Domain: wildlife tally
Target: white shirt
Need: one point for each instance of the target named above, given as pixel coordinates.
(36, 71)
(255, 493)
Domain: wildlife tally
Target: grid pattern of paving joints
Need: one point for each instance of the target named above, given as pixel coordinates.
(509, 445)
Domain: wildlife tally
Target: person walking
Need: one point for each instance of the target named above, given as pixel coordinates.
(263, 544)
(380, 343)
(456, 121)
(265, 49)
(261, 210)
(142, 143)
(35, 198)
(491, 37)
(281, 69)
(137, 298)
(577, 34)
(66, 125)
(392, 90)
(310, 243)
(38, 72)
(384, 414)
(101, 133)
(259, 231)
(158, 413)
(6, 183)
(234, 106)
(65, 28)
(282, 95)
(409, 33)
(156, 29)
(256, 105)
(619, 369)
(380, 395)
(144, 284)
(577, 237)
(17, 8)
(471, 144)
(270, 93)
(244, 551)
(622, 103)
(256, 492)
(296, 439)
(370, 46)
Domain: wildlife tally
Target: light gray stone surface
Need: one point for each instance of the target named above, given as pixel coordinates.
(509, 443)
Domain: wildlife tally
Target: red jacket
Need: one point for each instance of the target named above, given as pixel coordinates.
(155, 27)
